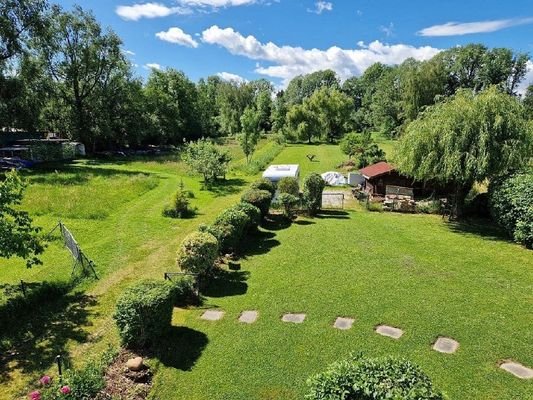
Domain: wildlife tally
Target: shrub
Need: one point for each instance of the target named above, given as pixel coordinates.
(427, 207)
(259, 198)
(184, 291)
(144, 312)
(288, 202)
(365, 378)
(511, 205)
(180, 207)
(289, 185)
(237, 218)
(197, 253)
(264, 184)
(313, 188)
(253, 213)
(226, 236)
(374, 206)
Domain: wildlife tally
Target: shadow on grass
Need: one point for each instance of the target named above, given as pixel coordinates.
(225, 187)
(259, 243)
(181, 347)
(276, 222)
(483, 228)
(227, 283)
(303, 222)
(38, 327)
(332, 214)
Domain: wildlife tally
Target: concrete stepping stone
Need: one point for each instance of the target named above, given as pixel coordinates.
(343, 323)
(248, 317)
(446, 345)
(294, 318)
(212, 315)
(518, 370)
(389, 331)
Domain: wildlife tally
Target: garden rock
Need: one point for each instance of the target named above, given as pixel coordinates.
(135, 364)
(517, 370)
(343, 323)
(248, 317)
(389, 331)
(212, 315)
(294, 318)
(446, 345)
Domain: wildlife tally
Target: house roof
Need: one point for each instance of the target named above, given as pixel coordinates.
(374, 170)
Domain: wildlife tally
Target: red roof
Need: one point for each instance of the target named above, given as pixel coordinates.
(377, 169)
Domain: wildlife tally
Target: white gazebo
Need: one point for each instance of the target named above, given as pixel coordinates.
(275, 172)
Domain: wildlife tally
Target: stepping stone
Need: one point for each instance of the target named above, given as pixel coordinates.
(294, 318)
(212, 315)
(248, 317)
(517, 370)
(389, 331)
(343, 323)
(446, 345)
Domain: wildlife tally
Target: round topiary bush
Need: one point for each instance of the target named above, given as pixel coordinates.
(365, 378)
(237, 218)
(313, 187)
(226, 236)
(197, 253)
(143, 312)
(259, 198)
(253, 213)
(264, 184)
(289, 185)
(511, 205)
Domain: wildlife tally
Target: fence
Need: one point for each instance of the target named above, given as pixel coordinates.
(332, 200)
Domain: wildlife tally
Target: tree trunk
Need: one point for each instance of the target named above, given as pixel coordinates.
(461, 191)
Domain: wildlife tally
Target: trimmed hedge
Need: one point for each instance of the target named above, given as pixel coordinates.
(198, 252)
(264, 184)
(289, 185)
(511, 205)
(313, 187)
(144, 312)
(237, 218)
(259, 198)
(226, 236)
(365, 378)
(253, 213)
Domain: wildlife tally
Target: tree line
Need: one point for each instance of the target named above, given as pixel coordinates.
(61, 71)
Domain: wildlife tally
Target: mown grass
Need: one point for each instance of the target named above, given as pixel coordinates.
(416, 272)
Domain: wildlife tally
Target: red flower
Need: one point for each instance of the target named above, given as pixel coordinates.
(65, 389)
(35, 395)
(45, 380)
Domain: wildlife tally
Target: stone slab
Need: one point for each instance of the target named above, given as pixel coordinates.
(212, 315)
(389, 331)
(343, 323)
(248, 317)
(518, 370)
(294, 318)
(446, 345)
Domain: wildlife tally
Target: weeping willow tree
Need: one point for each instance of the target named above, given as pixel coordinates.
(465, 140)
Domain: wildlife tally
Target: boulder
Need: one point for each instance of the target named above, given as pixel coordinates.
(135, 364)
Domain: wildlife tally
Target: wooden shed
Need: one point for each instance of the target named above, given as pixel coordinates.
(380, 175)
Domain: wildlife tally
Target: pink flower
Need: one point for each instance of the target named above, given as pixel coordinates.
(65, 389)
(45, 380)
(35, 395)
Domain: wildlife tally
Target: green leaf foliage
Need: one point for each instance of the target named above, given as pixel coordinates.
(259, 198)
(197, 253)
(362, 378)
(253, 213)
(313, 187)
(289, 185)
(143, 312)
(207, 159)
(264, 184)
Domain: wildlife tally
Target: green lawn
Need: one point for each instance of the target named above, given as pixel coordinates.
(417, 272)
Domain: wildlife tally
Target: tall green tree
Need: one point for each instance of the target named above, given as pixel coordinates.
(207, 159)
(333, 109)
(251, 131)
(79, 57)
(18, 236)
(466, 139)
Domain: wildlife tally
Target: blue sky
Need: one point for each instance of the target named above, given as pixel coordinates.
(278, 39)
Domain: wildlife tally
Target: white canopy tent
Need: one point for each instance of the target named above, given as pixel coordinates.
(275, 172)
(333, 178)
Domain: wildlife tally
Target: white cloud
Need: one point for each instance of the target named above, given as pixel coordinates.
(176, 35)
(528, 79)
(128, 52)
(321, 6)
(387, 30)
(153, 66)
(216, 3)
(466, 28)
(289, 61)
(227, 76)
(148, 10)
